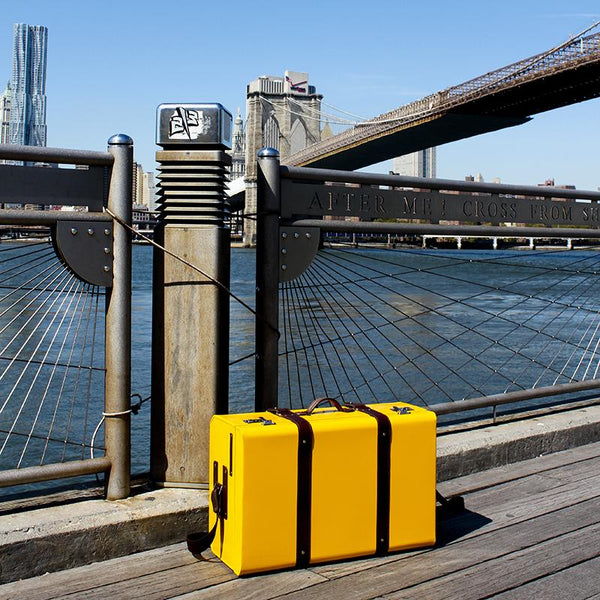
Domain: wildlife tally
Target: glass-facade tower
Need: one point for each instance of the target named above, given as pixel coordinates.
(417, 164)
(28, 85)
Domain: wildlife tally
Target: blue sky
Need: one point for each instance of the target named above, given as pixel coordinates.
(111, 63)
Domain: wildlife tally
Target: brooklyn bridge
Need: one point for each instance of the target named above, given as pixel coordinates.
(509, 96)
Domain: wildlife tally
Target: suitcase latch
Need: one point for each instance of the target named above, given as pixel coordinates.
(259, 420)
(402, 410)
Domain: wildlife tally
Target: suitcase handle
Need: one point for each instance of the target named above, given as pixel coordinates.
(334, 403)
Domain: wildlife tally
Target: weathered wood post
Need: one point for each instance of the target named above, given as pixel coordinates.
(190, 352)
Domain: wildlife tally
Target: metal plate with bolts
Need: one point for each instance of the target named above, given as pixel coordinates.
(86, 248)
(297, 249)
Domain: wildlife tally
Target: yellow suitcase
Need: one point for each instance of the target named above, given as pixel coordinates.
(293, 488)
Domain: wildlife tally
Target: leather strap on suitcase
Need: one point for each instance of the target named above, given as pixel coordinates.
(305, 449)
(384, 450)
(305, 443)
(198, 542)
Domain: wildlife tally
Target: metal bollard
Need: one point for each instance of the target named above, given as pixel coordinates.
(118, 325)
(190, 352)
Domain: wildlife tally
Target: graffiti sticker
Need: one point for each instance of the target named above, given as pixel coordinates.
(188, 124)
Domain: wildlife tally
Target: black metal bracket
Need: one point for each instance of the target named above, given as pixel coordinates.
(297, 248)
(86, 248)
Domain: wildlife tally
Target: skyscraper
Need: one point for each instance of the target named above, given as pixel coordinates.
(238, 148)
(28, 85)
(417, 164)
(5, 114)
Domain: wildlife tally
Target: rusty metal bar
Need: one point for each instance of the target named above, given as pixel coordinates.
(448, 230)
(118, 324)
(48, 217)
(509, 397)
(323, 175)
(267, 279)
(54, 155)
(74, 468)
(63, 187)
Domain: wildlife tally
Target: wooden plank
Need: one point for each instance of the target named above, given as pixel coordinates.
(564, 473)
(507, 572)
(526, 485)
(579, 582)
(447, 560)
(541, 495)
(535, 487)
(525, 468)
(83, 578)
(159, 585)
(260, 587)
(575, 472)
(525, 507)
(504, 505)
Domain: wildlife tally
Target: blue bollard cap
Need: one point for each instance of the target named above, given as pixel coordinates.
(268, 153)
(120, 139)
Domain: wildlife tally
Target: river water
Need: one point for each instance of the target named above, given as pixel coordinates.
(447, 308)
(553, 291)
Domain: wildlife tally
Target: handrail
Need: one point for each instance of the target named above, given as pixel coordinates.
(330, 175)
(117, 409)
(48, 217)
(55, 155)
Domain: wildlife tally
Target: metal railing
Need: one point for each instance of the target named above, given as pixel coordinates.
(454, 332)
(65, 360)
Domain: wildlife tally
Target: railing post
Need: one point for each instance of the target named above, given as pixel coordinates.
(118, 323)
(267, 279)
(190, 330)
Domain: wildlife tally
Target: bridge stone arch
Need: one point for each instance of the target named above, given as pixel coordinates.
(282, 113)
(271, 132)
(298, 136)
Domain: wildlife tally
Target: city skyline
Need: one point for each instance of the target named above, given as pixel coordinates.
(112, 77)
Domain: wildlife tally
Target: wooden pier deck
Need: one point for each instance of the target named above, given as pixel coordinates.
(531, 530)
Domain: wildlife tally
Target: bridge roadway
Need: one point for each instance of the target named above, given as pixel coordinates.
(531, 530)
(509, 96)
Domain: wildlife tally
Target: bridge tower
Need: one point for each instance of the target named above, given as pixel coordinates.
(283, 113)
